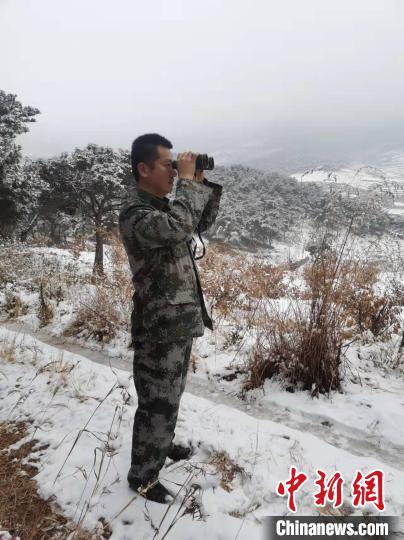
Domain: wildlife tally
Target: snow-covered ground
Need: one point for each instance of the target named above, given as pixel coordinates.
(80, 395)
(84, 412)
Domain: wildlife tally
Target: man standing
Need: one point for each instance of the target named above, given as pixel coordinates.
(169, 309)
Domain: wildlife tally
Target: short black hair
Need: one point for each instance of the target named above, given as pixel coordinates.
(144, 150)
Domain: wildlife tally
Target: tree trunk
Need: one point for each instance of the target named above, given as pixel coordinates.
(27, 230)
(98, 267)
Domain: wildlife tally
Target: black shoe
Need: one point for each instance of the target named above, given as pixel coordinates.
(178, 452)
(153, 491)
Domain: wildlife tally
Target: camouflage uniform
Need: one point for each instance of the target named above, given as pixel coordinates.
(168, 310)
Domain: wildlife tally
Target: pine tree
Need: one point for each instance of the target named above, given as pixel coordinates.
(93, 181)
(99, 184)
(14, 118)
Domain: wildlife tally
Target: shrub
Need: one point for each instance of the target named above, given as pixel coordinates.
(353, 289)
(96, 317)
(232, 284)
(108, 307)
(339, 301)
(44, 311)
(304, 343)
(14, 306)
(304, 348)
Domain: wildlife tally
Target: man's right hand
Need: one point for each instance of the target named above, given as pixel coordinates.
(186, 163)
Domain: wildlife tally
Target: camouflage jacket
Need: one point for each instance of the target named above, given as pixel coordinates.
(168, 302)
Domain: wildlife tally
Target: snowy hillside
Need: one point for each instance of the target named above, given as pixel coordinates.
(383, 182)
(260, 207)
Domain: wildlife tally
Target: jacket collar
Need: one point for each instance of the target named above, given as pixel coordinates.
(157, 202)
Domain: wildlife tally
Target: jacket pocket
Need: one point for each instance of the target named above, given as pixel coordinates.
(182, 296)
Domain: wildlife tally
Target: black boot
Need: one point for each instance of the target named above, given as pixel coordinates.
(152, 491)
(178, 452)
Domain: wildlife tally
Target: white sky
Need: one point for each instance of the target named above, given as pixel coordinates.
(218, 75)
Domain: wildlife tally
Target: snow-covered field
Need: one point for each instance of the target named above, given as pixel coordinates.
(385, 181)
(82, 405)
(388, 169)
(84, 413)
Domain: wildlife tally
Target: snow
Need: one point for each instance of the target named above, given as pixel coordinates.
(5, 535)
(86, 419)
(384, 184)
(81, 396)
(399, 211)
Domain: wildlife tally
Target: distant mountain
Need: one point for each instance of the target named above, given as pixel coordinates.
(392, 163)
(382, 180)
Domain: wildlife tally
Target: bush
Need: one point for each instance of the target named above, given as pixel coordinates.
(339, 301)
(231, 283)
(108, 306)
(14, 306)
(303, 348)
(96, 317)
(353, 289)
(45, 311)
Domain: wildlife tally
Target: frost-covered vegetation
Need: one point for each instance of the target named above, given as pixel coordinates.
(260, 207)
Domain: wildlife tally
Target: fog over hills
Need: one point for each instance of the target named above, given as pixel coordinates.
(290, 149)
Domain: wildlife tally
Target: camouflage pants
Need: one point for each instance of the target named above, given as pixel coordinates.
(160, 372)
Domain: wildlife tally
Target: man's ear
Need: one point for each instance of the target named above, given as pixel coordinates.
(143, 169)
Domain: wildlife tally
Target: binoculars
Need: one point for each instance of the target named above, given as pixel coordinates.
(203, 163)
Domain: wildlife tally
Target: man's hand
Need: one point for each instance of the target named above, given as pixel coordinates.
(186, 165)
(199, 176)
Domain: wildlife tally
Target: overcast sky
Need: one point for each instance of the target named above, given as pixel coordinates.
(266, 78)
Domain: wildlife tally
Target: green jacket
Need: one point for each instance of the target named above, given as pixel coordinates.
(168, 302)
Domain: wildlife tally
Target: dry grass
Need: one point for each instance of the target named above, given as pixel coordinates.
(78, 244)
(226, 468)
(8, 351)
(233, 287)
(13, 305)
(44, 311)
(22, 511)
(225, 276)
(11, 261)
(339, 301)
(303, 344)
(304, 351)
(107, 308)
(352, 287)
(96, 317)
(363, 306)
(60, 376)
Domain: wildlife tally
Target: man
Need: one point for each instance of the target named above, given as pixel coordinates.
(169, 309)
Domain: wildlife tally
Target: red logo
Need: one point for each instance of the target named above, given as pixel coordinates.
(329, 489)
(368, 489)
(365, 489)
(294, 483)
